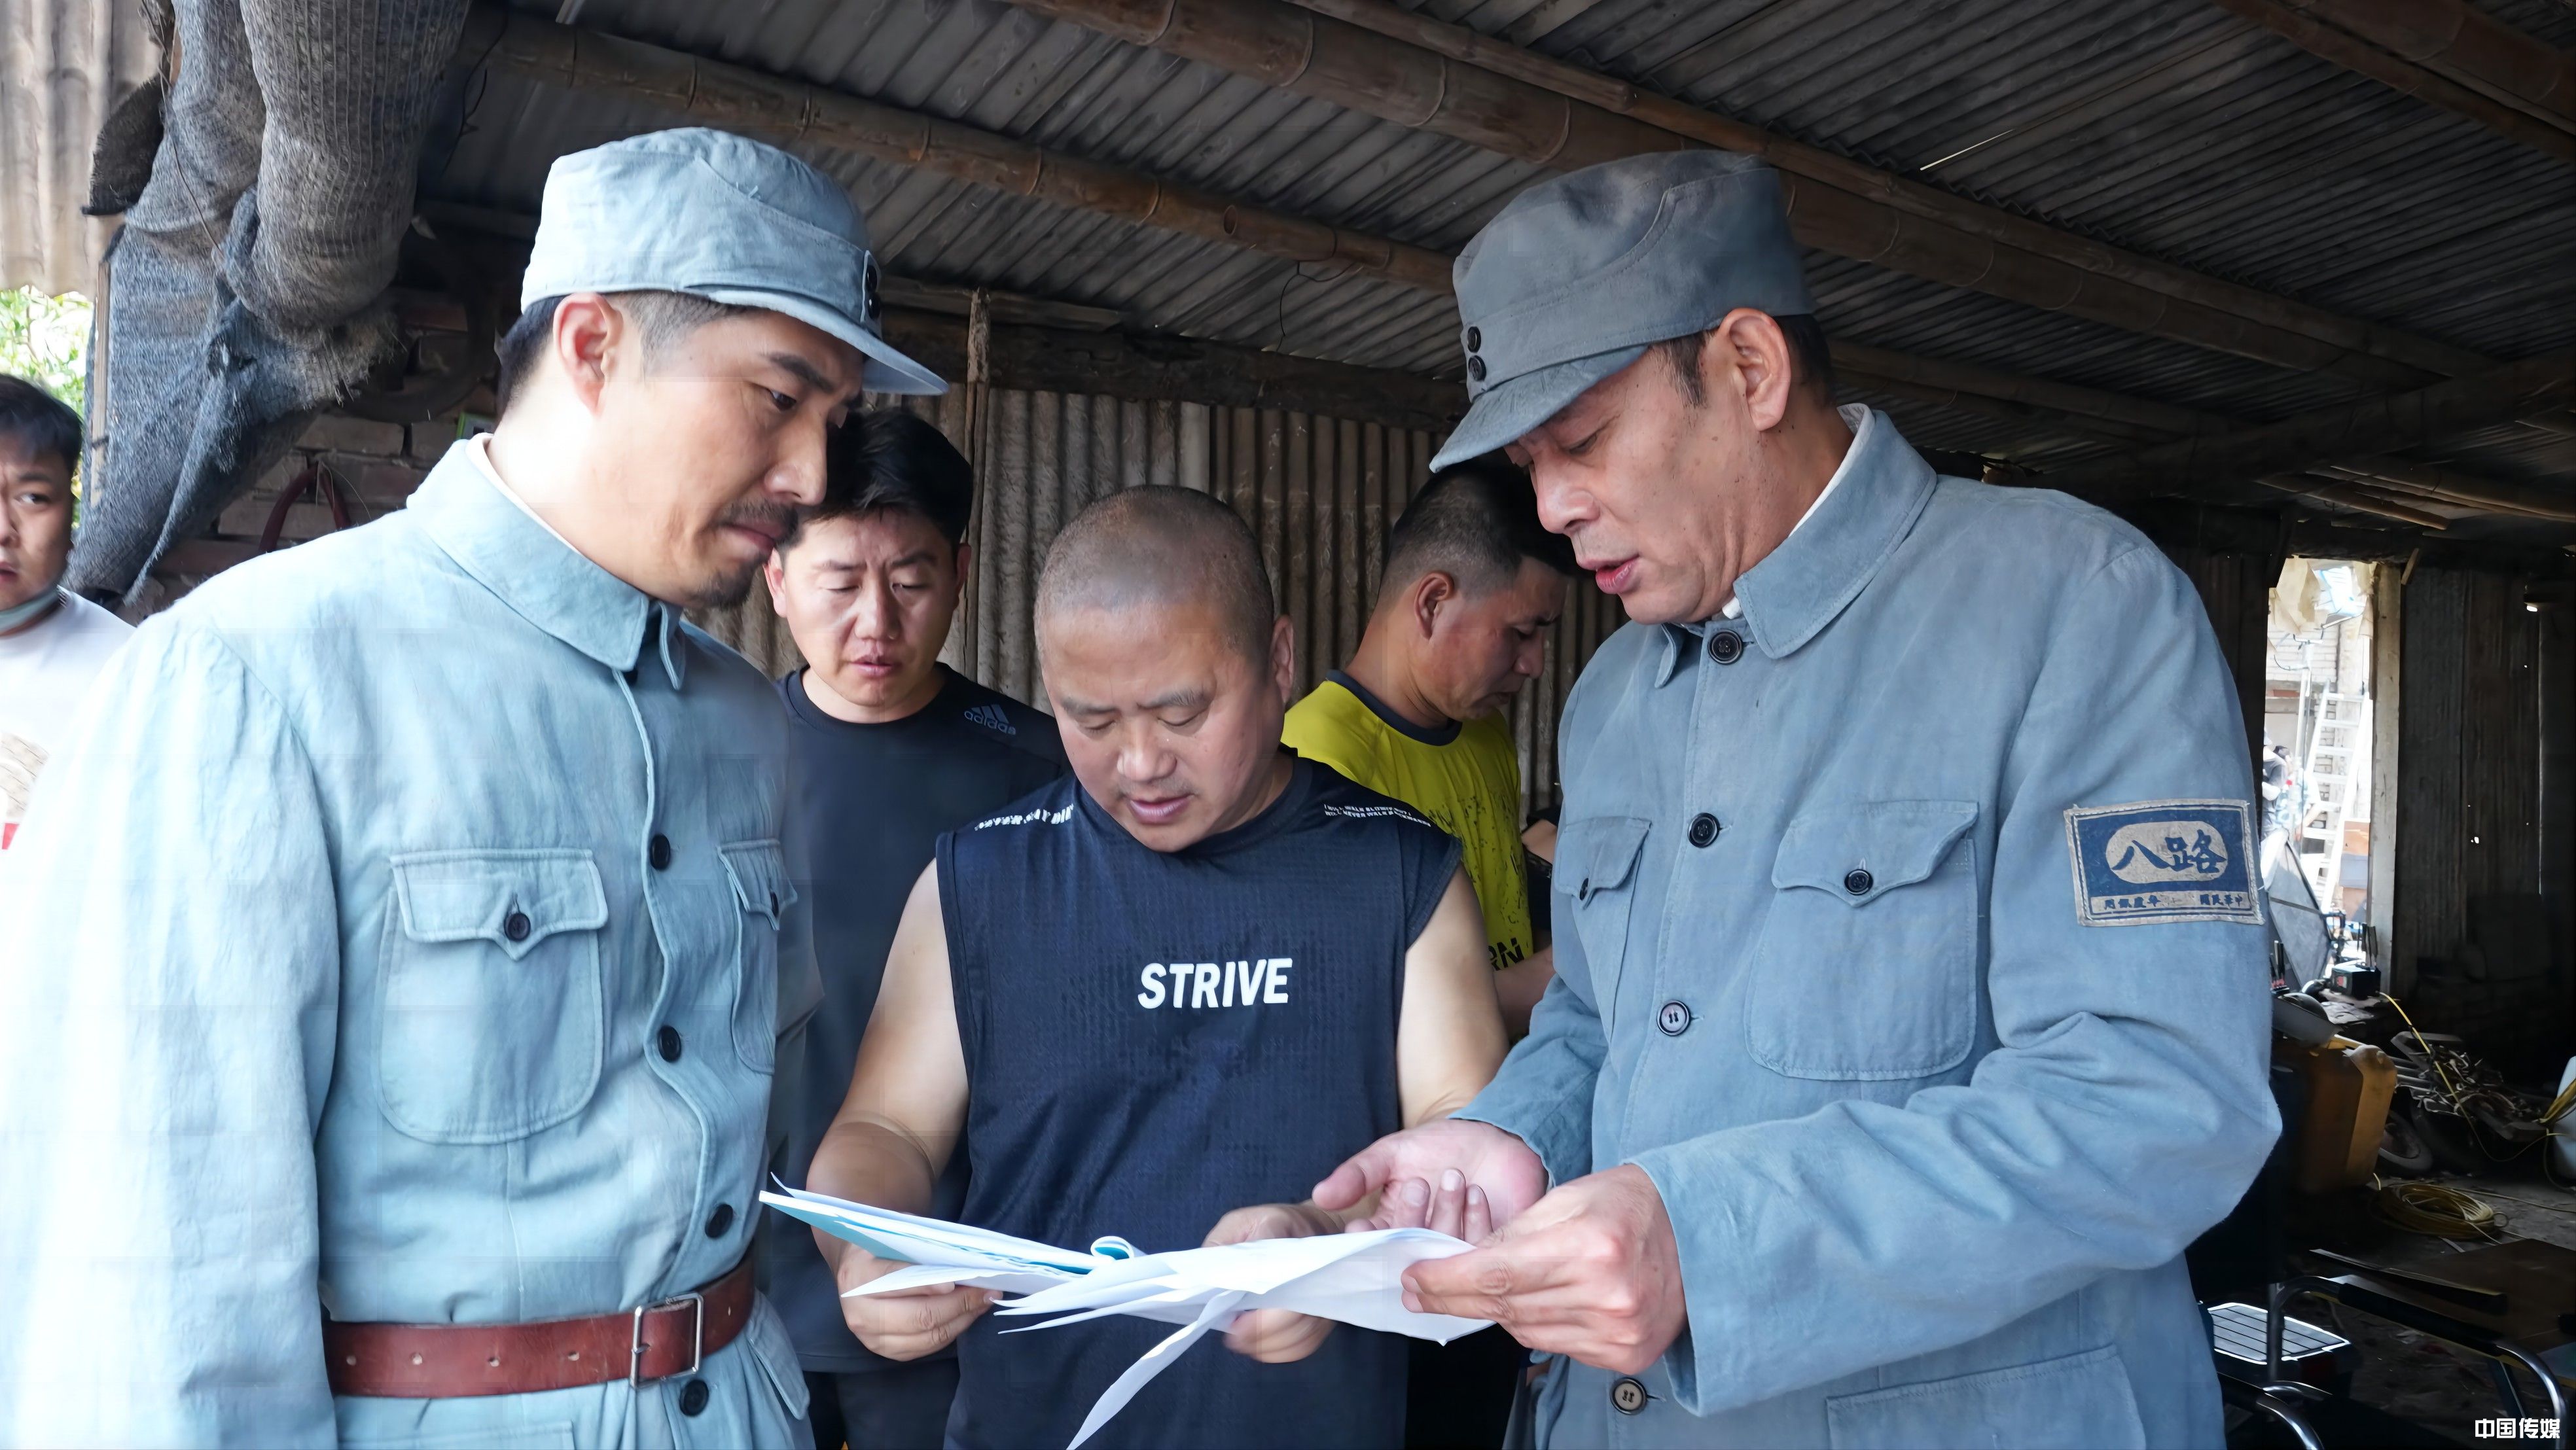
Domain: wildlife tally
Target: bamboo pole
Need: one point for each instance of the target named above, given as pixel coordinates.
(2465, 44)
(2377, 425)
(2114, 417)
(2455, 488)
(1900, 193)
(2300, 25)
(1834, 205)
(2366, 500)
(788, 111)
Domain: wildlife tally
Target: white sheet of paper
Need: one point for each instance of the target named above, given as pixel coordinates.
(1353, 1278)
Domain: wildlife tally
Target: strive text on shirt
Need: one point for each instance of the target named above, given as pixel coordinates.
(1215, 984)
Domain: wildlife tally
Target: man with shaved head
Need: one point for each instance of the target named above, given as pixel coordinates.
(1193, 977)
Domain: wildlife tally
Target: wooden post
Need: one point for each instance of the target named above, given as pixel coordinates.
(2387, 703)
(978, 450)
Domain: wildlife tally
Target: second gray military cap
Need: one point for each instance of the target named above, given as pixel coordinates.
(1576, 277)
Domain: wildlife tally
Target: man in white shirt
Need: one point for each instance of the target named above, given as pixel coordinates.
(52, 642)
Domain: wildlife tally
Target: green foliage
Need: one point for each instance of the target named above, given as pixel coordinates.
(46, 341)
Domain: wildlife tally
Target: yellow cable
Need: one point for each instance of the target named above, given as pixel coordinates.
(2430, 1054)
(2560, 1105)
(2436, 1209)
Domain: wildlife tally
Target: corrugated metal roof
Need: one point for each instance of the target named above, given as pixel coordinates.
(2168, 126)
(930, 226)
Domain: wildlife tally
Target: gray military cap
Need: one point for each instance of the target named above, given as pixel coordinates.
(1578, 276)
(722, 217)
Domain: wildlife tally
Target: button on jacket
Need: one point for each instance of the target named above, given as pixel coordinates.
(1931, 1143)
(350, 973)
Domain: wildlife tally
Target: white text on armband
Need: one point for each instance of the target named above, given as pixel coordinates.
(1215, 984)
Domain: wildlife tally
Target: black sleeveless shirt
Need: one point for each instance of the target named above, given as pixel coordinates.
(1154, 1039)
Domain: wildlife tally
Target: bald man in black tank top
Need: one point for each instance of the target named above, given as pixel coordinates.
(1191, 979)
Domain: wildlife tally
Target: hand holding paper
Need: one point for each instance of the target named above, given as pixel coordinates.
(904, 1324)
(1592, 1271)
(1355, 1278)
(1274, 1336)
(1506, 1174)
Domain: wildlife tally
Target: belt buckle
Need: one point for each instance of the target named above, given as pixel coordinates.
(635, 1345)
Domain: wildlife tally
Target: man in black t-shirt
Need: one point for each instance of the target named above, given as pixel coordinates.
(888, 748)
(1156, 1000)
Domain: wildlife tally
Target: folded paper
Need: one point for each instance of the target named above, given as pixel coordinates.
(1354, 1278)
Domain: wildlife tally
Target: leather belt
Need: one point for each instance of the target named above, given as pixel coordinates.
(451, 1361)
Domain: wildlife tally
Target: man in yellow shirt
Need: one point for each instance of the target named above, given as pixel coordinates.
(1471, 587)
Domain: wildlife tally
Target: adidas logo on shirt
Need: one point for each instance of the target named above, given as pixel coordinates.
(1028, 818)
(1371, 813)
(1195, 985)
(994, 718)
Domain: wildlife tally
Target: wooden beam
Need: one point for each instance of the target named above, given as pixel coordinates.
(2378, 425)
(1012, 307)
(894, 291)
(1891, 385)
(1902, 193)
(1161, 367)
(787, 111)
(2113, 416)
(1834, 204)
(2302, 26)
(2465, 44)
(2082, 412)
(2230, 529)
(2351, 496)
(1044, 345)
(2443, 485)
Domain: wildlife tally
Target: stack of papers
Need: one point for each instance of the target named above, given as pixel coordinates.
(1354, 1278)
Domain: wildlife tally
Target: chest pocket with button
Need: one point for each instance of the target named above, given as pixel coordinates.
(758, 870)
(1866, 968)
(491, 1024)
(1596, 864)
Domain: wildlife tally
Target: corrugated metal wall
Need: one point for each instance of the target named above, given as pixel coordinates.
(2236, 589)
(2468, 755)
(63, 63)
(2480, 932)
(1319, 493)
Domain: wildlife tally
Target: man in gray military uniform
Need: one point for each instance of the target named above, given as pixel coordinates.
(1910, 1014)
(390, 1053)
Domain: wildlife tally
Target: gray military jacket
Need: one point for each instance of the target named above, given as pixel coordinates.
(1907, 938)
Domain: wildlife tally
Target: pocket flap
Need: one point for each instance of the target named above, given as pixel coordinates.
(513, 899)
(759, 872)
(1862, 852)
(1598, 854)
